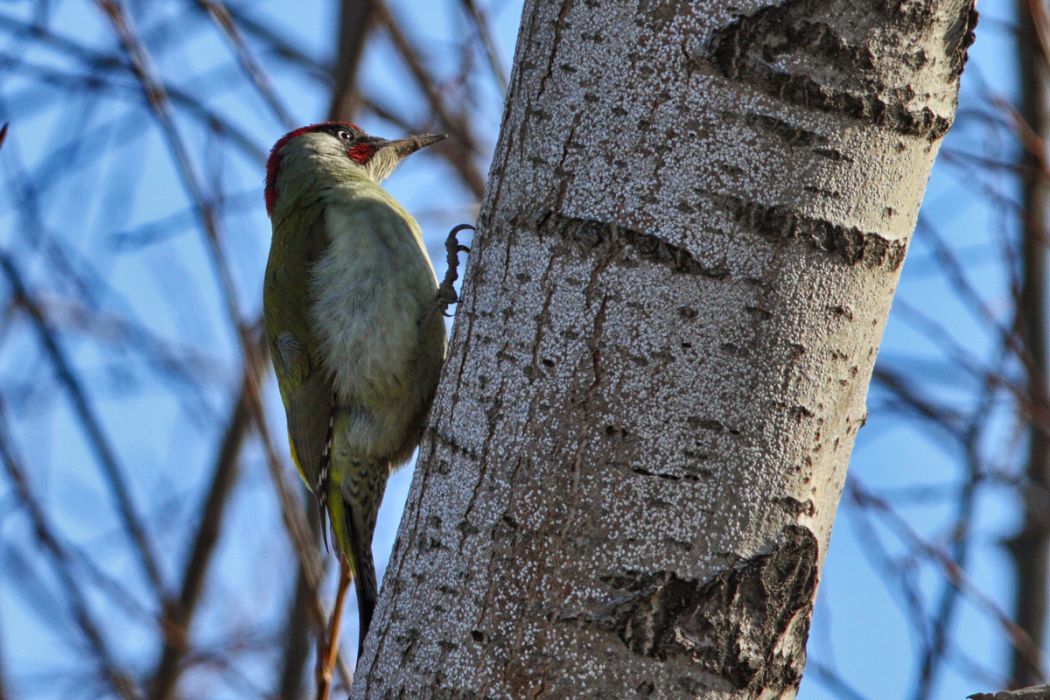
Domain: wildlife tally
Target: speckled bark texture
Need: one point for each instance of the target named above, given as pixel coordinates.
(697, 216)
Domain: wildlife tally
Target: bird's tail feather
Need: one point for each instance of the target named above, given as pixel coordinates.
(353, 504)
(365, 584)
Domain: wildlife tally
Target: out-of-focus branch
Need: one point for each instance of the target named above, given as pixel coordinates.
(217, 10)
(904, 391)
(966, 362)
(92, 426)
(461, 146)
(118, 680)
(157, 98)
(303, 544)
(355, 20)
(224, 476)
(4, 694)
(960, 545)
(949, 569)
(190, 105)
(1030, 547)
(296, 628)
(481, 23)
(278, 44)
(955, 274)
(179, 365)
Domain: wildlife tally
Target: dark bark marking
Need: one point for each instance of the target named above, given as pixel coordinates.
(559, 24)
(698, 423)
(795, 507)
(746, 48)
(830, 194)
(732, 625)
(616, 241)
(669, 477)
(959, 38)
(790, 133)
(833, 154)
(454, 445)
(850, 244)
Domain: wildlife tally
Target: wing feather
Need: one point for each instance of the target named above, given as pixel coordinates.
(305, 387)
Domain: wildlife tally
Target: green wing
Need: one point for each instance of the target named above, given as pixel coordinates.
(305, 388)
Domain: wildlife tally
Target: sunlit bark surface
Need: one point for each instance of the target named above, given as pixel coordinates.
(695, 222)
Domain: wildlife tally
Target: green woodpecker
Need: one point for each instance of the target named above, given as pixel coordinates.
(348, 306)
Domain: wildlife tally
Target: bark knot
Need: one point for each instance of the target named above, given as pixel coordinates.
(747, 625)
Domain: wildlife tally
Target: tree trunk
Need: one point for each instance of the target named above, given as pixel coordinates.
(694, 227)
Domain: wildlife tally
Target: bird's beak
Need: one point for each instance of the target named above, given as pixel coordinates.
(411, 144)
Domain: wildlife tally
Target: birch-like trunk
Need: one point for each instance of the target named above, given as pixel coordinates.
(696, 218)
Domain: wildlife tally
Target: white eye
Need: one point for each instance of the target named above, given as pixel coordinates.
(345, 136)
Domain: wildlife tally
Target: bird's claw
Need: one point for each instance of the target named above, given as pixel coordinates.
(446, 294)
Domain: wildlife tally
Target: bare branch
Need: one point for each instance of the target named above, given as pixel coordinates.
(1030, 548)
(217, 10)
(481, 24)
(355, 21)
(157, 98)
(460, 147)
(1016, 634)
(223, 478)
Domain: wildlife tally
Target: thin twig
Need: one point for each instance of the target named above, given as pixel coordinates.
(1019, 639)
(279, 44)
(217, 10)
(960, 547)
(487, 41)
(355, 23)
(297, 627)
(295, 525)
(157, 98)
(328, 652)
(462, 145)
(223, 478)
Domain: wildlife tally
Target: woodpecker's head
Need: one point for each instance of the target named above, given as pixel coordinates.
(345, 143)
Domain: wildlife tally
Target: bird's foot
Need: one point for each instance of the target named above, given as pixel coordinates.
(446, 293)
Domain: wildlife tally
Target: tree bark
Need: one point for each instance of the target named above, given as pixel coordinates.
(695, 223)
